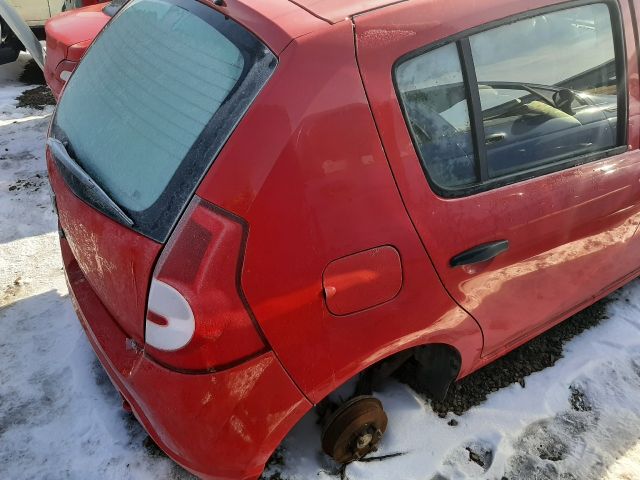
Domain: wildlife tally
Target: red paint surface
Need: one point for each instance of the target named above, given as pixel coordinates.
(317, 189)
(362, 280)
(117, 262)
(221, 426)
(334, 11)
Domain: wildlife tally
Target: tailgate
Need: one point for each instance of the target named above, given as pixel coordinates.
(143, 117)
(117, 261)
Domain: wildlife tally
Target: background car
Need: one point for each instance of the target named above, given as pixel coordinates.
(68, 37)
(37, 12)
(34, 14)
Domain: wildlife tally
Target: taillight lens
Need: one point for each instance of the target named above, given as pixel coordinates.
(64, 70)
(197, 316)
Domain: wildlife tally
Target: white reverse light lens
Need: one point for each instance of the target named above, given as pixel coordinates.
(166, 302)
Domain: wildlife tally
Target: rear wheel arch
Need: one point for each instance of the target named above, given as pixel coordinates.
(430, 367)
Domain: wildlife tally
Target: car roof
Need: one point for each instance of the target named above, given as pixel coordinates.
(278, 22)
(334, 11)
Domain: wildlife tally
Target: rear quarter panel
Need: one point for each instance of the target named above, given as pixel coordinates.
(306, 169)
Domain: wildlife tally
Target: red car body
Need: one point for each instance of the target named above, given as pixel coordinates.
(326, 251)
(68, 36)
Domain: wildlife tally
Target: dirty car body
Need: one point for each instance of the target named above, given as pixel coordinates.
(258, 202)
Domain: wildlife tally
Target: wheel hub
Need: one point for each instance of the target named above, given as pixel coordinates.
(354, 429)
(364, 440)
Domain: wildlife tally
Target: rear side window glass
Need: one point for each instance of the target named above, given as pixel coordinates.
(435, 102)
(154, 100)
(548, 88)
(518, 100)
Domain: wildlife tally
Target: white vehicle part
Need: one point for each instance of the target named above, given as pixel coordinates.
(33, 12)
(166, 302)
(22, 31)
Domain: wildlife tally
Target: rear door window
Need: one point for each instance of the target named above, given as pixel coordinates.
(538, 94)
(154, 100)
(434, 96)
(548, 88)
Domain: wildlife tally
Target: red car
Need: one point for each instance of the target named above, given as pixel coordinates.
(259, 201)
(70, 34)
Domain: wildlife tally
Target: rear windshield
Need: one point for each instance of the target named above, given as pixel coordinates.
(154, 100)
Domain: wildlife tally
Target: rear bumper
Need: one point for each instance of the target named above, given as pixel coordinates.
(221, 425)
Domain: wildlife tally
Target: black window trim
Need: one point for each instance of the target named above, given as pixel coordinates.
(483, 182)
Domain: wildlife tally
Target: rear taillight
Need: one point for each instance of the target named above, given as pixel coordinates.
(64, 70)
(197, 317)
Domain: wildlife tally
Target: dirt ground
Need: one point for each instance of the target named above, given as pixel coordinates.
(540, 353)
(38, 97)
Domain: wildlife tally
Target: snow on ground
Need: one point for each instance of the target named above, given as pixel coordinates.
(61, 418)
(577, 420)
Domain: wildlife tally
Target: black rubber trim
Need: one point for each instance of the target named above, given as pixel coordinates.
(475, 108)
(479, 254)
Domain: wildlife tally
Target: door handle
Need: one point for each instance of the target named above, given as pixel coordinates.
(495, 138)
(479, 254)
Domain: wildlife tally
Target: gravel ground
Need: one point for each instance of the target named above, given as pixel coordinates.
(39, 97)
(540, 353)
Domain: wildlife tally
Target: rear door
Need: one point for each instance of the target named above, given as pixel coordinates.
(143, 116)
(506, 130)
